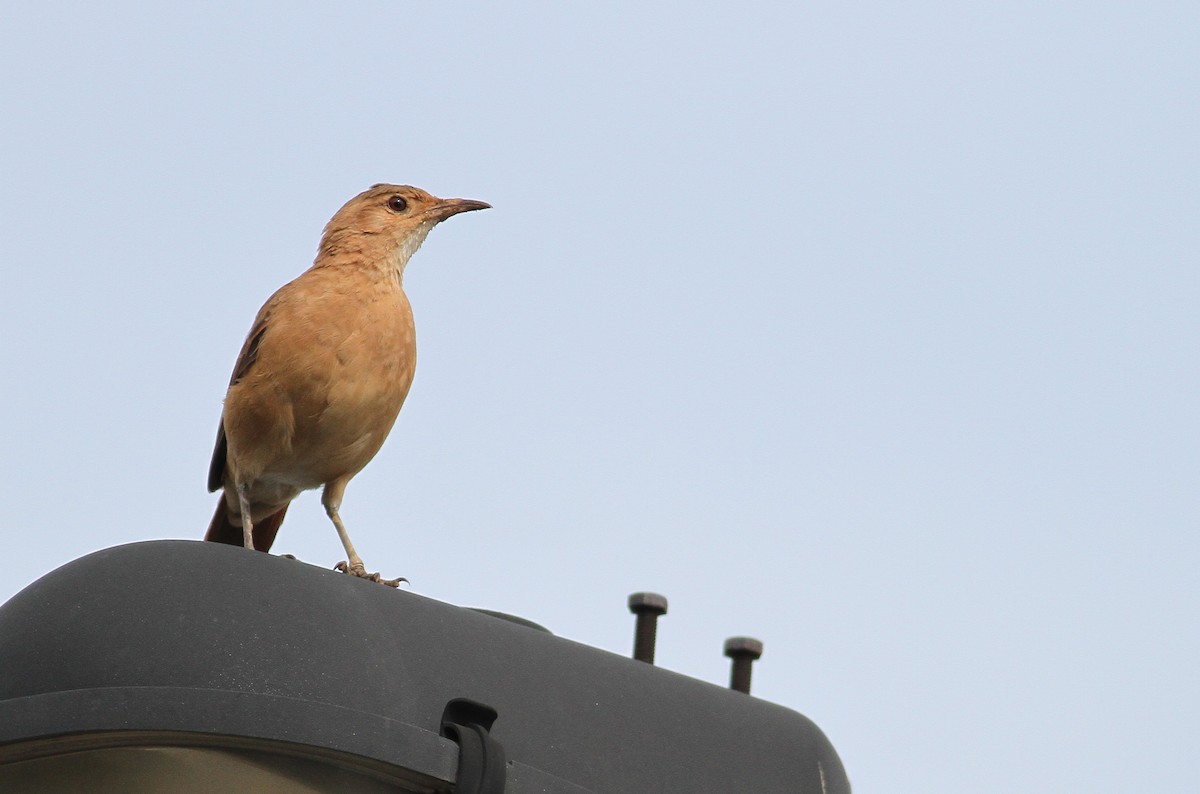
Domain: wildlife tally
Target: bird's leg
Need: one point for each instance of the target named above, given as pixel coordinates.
(331, 498)
(243, 494)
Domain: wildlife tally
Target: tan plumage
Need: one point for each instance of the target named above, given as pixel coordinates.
(324, 370)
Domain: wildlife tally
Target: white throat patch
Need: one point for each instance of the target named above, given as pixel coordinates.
(409, 246)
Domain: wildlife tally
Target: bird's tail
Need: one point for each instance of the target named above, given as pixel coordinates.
(223, 530)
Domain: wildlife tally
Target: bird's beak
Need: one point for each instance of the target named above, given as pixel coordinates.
(447, 207)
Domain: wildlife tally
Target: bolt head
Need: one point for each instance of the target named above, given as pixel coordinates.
(648, 603)
(743, 647)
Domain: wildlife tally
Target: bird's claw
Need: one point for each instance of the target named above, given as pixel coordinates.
(361, 572)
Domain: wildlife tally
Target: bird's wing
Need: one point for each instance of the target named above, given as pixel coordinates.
(249, 352)
(245, 361)
(216, 467)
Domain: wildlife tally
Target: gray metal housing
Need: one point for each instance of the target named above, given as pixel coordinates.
(189, 644)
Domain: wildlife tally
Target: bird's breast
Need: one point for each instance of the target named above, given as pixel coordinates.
(365, 377)
(332, 372)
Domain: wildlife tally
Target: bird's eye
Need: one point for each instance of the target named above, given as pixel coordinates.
(397, 204)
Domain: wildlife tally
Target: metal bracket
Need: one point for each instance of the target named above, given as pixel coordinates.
(481, 763)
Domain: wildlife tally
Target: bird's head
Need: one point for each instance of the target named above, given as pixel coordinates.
(387, 224)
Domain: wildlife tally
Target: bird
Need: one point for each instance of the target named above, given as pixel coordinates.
(324, 372)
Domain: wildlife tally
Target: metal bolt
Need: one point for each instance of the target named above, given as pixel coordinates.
(743, 651)
(647, 607)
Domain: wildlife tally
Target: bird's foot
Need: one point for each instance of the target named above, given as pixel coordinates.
(358, 570)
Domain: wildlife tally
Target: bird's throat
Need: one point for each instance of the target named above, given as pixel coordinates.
(407, 246)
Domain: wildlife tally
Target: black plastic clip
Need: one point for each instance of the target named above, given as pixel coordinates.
(481, 764)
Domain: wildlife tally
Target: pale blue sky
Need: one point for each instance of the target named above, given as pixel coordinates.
(869, 329)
